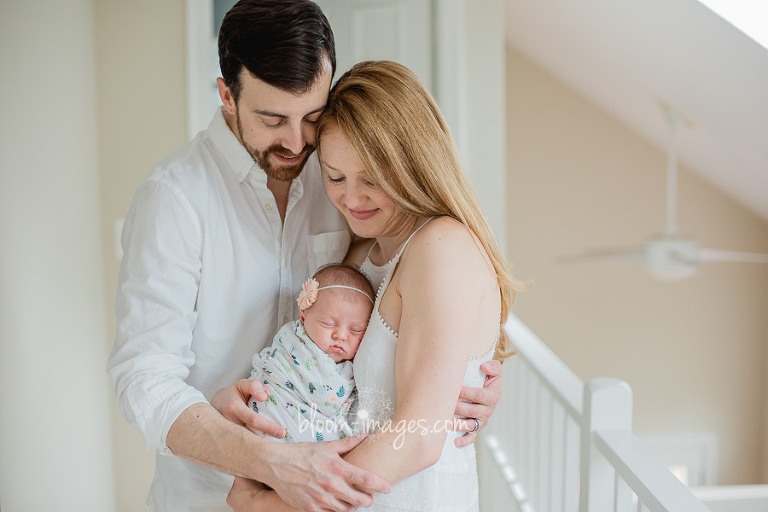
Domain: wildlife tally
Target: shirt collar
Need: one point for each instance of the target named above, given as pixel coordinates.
(240, 162)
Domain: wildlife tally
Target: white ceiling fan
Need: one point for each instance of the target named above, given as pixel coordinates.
(671, 256)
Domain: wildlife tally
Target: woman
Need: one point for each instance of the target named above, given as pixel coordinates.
(391, 168)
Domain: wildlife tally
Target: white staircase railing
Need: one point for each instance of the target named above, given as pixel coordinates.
(734, 498)
(562, 445)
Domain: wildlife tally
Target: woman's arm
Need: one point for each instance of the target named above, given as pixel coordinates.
(249, 495)
(473, 402)
(448, 305)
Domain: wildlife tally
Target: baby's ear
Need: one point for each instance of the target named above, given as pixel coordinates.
(301, 316)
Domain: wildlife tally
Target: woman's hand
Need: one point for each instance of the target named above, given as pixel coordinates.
(478, 403)
(232, 403)
(244, 494)
(252, 496)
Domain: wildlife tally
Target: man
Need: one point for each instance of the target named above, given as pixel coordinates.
(216, 244)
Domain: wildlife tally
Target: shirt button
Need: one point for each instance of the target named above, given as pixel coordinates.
(239, 176)
(268, 206)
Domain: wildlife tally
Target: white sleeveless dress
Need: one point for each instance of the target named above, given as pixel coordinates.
(451, 484)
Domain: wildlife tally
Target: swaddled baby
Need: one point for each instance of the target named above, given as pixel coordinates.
(308, 367)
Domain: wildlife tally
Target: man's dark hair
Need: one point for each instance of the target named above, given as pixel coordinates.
(281, 42)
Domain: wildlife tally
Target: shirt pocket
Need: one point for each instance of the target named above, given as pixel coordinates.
(326, 248)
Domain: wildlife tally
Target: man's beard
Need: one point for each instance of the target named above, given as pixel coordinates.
(279, 172)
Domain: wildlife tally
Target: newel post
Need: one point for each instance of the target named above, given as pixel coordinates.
(607, 405)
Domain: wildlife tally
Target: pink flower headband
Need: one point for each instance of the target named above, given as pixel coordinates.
(309, 289)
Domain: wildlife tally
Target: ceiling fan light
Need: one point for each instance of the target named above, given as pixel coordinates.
(671, 258)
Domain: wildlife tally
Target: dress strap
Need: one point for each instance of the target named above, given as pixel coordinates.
(368, 256)
(397, 257)
(380, 276)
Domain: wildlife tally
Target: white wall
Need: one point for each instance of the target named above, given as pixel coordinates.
(471, 91)
(484, 101)
(54, 426)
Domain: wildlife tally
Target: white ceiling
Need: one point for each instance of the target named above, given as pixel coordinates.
(627, 55)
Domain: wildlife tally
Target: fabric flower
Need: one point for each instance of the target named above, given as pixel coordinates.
(308, 294)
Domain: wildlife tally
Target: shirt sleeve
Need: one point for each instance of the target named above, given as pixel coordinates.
(155, 311)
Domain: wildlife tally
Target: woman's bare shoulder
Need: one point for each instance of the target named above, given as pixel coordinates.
(444, 233)
(447, 245)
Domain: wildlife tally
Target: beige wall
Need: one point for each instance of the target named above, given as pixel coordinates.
(693, 351)
(140, 65)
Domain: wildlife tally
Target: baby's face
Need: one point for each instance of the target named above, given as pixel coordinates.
(336, 322)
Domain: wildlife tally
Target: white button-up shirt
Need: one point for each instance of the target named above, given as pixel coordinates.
(209, 273)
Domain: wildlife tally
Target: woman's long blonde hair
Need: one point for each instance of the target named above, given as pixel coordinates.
(396, 129)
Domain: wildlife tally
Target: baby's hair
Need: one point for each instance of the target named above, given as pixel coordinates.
(345, 275)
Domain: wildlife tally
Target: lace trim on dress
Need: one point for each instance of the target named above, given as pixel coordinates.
(382, 287)
(386, 325)
(390, 266)
(493, 345)
(376, 273)
(490, 350)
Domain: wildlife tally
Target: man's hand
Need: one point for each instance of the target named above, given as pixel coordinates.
(313, 477)
(232, 403)
(478, 403)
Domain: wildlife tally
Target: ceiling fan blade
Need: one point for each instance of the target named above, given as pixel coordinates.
(735, 256)
(604, 255)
